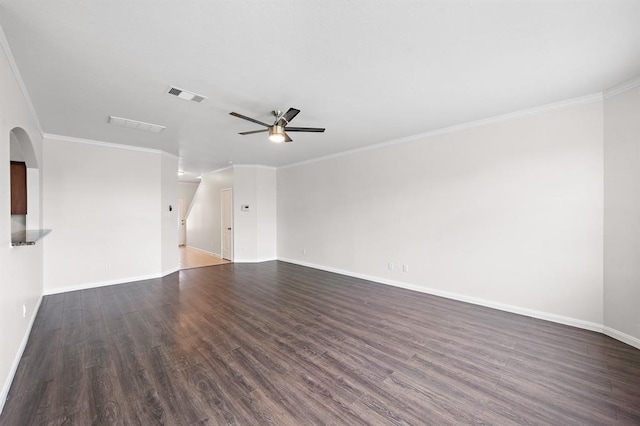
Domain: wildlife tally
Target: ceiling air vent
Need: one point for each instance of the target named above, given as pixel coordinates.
(133, 124)
(186, 95)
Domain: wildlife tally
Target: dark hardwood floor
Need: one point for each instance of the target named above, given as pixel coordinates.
(276, 343)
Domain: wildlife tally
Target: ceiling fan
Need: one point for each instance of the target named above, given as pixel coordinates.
(277, 129)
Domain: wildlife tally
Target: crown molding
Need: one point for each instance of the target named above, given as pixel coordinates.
(596, 97)
(217, 170)
(255, 166)
(167, 154)
(240, 166)
(620, 88)
(106, 144)
(4, 43)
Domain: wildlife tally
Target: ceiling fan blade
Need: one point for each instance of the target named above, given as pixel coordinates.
(253, 131)
(287, 138)
(304, 129)
(244, 117)
(291, 114)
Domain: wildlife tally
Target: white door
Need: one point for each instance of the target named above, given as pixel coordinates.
(226, 199)
(182, 227)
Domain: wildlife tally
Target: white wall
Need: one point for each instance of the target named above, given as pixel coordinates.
(20, 267)
(507, 214)
(622, 215)
(169, 197)
(267, 208)
(245, 222)
(186, 191)
(255, 235)
(203, 220)
(105, 205)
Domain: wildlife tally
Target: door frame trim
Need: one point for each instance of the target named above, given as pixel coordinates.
(182, 206)
(222, 225)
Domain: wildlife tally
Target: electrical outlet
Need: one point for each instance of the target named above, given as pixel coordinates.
(24, 310)
(405, 268)
(390, 266)
(304, 251)
(107, 266)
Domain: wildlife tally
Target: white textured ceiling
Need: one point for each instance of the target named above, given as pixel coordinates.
(368, 71)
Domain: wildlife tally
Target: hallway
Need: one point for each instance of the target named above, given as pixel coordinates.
(193, 258)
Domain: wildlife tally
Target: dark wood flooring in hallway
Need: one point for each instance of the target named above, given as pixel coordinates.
(276, 343)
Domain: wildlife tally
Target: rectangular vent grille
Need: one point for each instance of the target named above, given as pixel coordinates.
(186, 95)
(133, 124)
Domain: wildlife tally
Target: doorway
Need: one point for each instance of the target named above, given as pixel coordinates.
(226, 202)
(191, 257)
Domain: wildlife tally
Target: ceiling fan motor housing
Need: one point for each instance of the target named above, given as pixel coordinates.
(276, 133)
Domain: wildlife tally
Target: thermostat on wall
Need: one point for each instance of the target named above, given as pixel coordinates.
(244, 207)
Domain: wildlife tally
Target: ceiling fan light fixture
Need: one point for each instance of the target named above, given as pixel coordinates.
(276, 134)
(278, 130)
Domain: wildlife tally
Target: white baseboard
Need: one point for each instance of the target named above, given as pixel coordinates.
(623, 337)
(16, 361)
(560, 319)
(587, 325)
(252, 260)
(170, 271)
(205, 251)
(109, 282)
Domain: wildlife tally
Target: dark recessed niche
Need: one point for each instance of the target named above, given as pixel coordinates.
(18, 188)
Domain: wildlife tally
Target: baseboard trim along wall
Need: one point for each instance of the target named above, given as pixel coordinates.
(560, 319)
(86, 286)
(170, 271)
(252, 260)
(18, 357)
(623, 337)
(205, 251)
